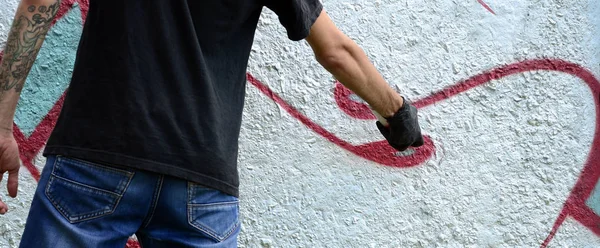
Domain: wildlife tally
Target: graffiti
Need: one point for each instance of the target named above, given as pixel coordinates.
(576, 205)
(66, 5)
(30, 146)
(379, 151)
(486, 6)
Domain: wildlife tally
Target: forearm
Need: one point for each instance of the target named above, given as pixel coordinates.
(351, 66)
(30, 26)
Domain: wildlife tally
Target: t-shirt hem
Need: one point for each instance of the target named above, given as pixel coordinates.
(120, 160)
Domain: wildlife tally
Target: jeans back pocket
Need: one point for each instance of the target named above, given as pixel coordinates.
(212, 212)
(82, 190)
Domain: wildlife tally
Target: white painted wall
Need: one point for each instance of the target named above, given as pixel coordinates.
(507, 155)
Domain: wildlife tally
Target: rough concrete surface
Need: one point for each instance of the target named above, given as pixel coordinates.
(7, 12)
(507, 154)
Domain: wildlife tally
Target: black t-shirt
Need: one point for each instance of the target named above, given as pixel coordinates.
(159, 85)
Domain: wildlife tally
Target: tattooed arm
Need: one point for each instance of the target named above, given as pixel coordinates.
(30, 26)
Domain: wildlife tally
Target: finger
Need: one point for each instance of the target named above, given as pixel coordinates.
(13, 182)
(385, 131)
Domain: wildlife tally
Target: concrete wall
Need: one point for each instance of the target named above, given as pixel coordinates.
(509, 99)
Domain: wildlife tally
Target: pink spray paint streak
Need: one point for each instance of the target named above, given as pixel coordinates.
(380, 152)
(486, 6)
(30, 146)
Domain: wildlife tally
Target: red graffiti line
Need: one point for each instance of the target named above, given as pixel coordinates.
(30, 146)
(574, 207)
(67, 5)
(379, 151)
(486, 6)
(352, 108)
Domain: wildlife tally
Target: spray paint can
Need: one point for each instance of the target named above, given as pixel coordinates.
(380, 118)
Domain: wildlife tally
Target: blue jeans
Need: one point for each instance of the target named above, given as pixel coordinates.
(83, 204)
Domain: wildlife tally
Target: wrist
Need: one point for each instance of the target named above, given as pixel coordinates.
(6, 130)
(396, 104)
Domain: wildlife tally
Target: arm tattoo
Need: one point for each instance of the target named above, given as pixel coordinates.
(24, 40)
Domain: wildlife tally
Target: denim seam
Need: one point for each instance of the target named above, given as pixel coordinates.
(50, 179)
(87, 216)
(81, 185)
(82, 217)
(147, 161)
(102, 167)
(122, 185)
(155, 199)
(191, 191)
(125, 189)
(212, 233)
(212, 204)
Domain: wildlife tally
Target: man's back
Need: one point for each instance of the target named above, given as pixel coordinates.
(159, 85)
(152, 116)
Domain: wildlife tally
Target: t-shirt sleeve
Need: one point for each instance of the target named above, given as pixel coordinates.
(297, 16)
